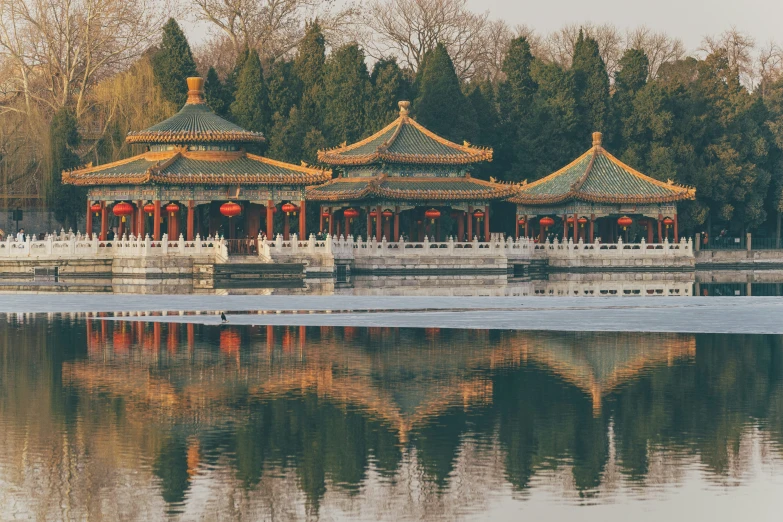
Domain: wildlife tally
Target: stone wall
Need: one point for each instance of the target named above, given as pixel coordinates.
(154, 275)
(429, 264)
(739, 260)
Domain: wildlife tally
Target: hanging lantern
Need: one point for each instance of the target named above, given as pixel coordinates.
(479, 214)
(149, 208)
(521, 221)
(374, 214)
(546, 222)
(570, 221)
(350, 213)
(96, 207)
(325, 214)
(432, 214)
(122, 209)
(582, 222)
(668, 222)
(625, 222)
(230, 209)
(387, 213)
(288, 208)
(172, 208)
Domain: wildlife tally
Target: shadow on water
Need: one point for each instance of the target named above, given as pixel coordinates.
(143, 419)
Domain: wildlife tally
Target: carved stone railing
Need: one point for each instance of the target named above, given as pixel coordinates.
(557, 250)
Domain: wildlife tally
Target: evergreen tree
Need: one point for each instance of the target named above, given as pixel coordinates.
(216, 94)
(173, 64)
(309, 67)
(250, 108)
(67, 201)
(441, 105)
(389, 86)
(347, 90)
(592, 87)
(630, 137)
(284, 87)
(481, 99)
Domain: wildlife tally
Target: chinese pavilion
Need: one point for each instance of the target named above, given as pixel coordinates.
(195, 161)
(405, 177)
(598, 195)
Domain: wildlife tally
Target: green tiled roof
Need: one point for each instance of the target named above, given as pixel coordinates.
(195, 123)
(182, 167)
(597, 176)
(404, 141)
(410, 189)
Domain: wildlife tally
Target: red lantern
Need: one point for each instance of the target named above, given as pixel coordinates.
(149, 208)
(387, 213)
(230, 209)
(582, 221)
(96, 207)
(172, 208)
(122, 209)
(546, 222)
(432, 214)
(625, 222)
(351, 213)
(570, 220)
(326, 214)
(668, 222)
(521, 221)
(374, 214)
(479, 214)
(289, 207)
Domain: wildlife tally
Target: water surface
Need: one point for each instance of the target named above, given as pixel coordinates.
(106, 420)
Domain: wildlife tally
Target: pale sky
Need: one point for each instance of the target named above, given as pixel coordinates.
(689, 20)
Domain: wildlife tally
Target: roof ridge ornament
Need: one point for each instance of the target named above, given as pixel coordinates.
(597, 138)
(195, 91)
(405, 107)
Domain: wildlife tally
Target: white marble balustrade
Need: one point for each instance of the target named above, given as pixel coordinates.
(562, 250)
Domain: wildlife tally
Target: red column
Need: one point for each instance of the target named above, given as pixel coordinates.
(331, 221)
(396, 223)
(565, 227)
(156, 224)
(486, 223)
(387, 228)
(140, 219)
(191, 218)
(576, 228)
(286, 227)
(369, 223)
(461, 226)
(470, 223)
(649, 231)
(378, 223)
(320, 220)
(302, 220)
(270, 220)
(660, 232)
(89, 218)
(516, 219)
(348, 227)
(676, 229)
(592, 228)
(527, 225)
(104, 221)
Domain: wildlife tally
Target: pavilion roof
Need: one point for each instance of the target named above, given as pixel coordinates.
(598, 177)
(410, 189)
(183, 167)
(405, 141)
(195, 123)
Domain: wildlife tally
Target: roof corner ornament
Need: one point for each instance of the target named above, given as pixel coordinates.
(405, 107)
(195, 91)
(466, 144)
(597, 137)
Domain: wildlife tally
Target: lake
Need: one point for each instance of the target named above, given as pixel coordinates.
(122, 420)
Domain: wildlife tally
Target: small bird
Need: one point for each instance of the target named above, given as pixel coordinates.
(223, 318)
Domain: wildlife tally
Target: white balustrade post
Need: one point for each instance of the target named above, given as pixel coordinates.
(164, 247)
(328, 244)
(181, 244)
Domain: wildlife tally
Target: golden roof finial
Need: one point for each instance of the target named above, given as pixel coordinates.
(195, 91)
(597, 139)
(405, 107)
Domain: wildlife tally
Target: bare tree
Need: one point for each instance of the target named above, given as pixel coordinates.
(559, 46)
(408, 29)
(658, 46)
(770, 65)
(61, 48)
(272, 27)
(739, 48)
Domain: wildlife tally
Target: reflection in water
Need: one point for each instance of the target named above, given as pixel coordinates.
(100, 417)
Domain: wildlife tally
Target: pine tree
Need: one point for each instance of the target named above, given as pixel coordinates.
(283, 87)
(389, 86)
(441, 105)
(481, 99)
(630, 138)
(173, 64)
(592, 87)
(66, 201)
(250, 107)
(347, 90)
(215, 93)
(309, 67)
